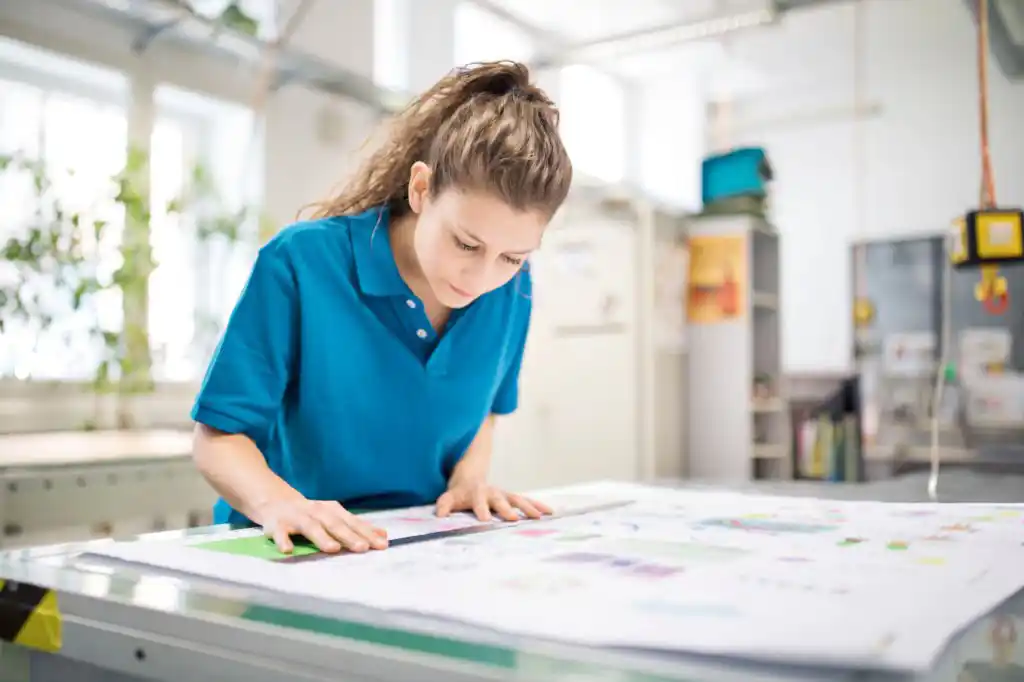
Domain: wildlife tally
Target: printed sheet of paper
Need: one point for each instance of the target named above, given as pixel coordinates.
(795, 580)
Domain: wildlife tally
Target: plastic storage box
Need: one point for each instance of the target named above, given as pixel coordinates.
(738, 173)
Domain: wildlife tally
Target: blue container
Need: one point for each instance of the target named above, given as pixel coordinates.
(741, 172)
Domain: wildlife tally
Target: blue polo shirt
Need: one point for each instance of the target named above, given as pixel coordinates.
(330, 365)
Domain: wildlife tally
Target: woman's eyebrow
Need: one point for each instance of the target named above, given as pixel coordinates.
(468, 234)
(472, 237)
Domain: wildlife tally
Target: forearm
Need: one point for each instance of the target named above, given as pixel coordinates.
(237, 470)
(476, 463)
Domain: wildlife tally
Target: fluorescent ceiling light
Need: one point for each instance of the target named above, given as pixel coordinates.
(665, 38)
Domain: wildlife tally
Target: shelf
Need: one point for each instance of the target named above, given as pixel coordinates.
(769, 451)
(764, 300)
(996, 425)
(767, 405)
(919, 454)
(732, 361)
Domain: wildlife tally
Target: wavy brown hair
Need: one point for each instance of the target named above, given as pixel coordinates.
(484, 127)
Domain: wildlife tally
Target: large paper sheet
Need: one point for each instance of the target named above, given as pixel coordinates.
(823, 582)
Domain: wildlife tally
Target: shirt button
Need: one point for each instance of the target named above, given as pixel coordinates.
(422, 333)
(411, 303)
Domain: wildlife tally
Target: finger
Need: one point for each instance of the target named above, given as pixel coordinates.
(526, 505)
(445, 504)
(333, 522)
(315, 532)
(500, 503)
(348, 529)
(376, 537)
(282, 538)
(541, 507)
(482, 505)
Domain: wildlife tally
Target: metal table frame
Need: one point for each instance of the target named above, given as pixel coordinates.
(126, 622)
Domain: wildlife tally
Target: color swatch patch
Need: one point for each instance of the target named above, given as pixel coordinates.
(257, 547)
(767, 525)
(664, 549)
(542, 584)
(628, 565)
(960, 528)
(688, 610)
(536, 532)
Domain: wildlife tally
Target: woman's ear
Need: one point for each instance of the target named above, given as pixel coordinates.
(419, 186)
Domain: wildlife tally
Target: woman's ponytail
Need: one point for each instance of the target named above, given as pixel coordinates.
(483, 127)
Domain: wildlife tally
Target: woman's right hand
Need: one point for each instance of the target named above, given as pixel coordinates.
(327, 525)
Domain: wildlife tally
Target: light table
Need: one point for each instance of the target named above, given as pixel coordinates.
(124, 622)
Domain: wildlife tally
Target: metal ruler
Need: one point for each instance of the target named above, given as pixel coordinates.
(483, 527)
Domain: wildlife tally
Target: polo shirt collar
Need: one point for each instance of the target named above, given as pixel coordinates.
(376, 270)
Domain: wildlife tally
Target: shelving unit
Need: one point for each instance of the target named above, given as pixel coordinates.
(738, 414)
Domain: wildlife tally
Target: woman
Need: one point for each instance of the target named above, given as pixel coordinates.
(374, 344)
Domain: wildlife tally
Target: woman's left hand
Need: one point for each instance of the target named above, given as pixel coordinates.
(482, 499)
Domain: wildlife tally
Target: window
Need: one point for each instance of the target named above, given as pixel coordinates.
(593, 108)
(482, 36)
(46, 101)
(196, 281)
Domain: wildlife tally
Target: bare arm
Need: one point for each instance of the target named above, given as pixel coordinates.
(237, 470)
(243, 392)
(476, 462)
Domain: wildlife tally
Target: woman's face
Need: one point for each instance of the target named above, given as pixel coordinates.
(468, 243)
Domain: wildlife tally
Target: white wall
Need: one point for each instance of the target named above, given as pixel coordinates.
(918, 165)
(312, 138)
(670, 140)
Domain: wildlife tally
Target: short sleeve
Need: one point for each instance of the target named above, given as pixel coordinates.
(506, 400)
(245, 382)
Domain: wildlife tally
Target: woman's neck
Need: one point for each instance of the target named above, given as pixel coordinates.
(401, 233)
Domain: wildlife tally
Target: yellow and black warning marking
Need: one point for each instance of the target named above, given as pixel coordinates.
(29, 616)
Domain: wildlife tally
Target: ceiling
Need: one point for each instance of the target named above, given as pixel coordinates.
(642, 39)
(577, 21)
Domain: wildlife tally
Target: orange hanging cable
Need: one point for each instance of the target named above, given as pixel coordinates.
(988, 187)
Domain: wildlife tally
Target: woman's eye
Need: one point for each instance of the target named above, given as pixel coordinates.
(463, 245)
(513, 261)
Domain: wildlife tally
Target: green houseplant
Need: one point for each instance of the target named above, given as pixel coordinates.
(52, 261)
